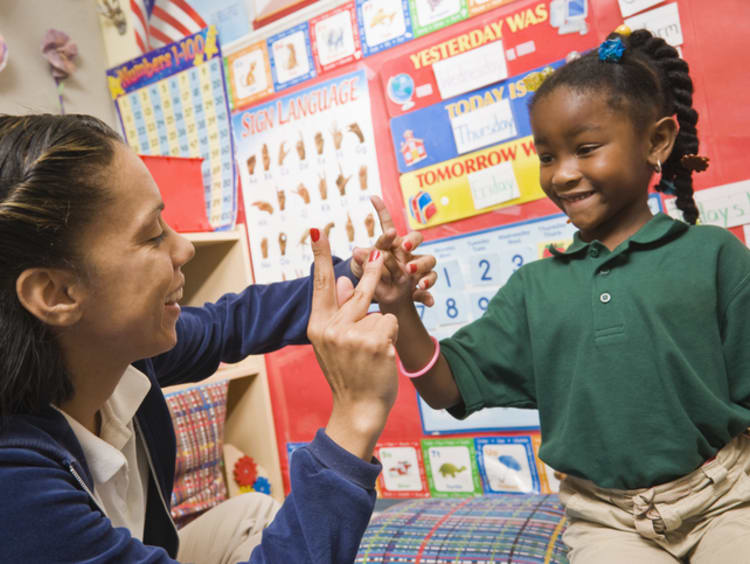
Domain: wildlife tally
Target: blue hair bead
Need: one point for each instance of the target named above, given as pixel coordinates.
(611, 50)
(668, 187)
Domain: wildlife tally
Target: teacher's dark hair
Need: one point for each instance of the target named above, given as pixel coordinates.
(52, 182)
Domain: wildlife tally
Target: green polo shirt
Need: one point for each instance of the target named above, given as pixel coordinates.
(637, 359)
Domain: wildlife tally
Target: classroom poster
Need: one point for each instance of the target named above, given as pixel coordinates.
(173, 102)
(308, 160)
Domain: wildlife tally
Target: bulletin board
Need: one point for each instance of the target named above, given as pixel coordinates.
(442, 89)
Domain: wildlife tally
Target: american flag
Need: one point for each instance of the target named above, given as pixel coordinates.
(159, 22)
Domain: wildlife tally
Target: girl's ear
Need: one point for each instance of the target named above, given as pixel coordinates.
(661, 141)
(51, 294)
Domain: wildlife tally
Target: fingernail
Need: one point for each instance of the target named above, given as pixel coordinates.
(314, 234)
(425, 284)
(407, 245)
(412, 268)
(374, 255)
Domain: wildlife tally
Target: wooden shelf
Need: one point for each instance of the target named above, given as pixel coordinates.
(221, 265)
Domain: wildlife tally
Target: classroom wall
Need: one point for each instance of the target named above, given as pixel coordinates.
(26, 84)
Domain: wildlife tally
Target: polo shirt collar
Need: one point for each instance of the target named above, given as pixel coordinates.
(657, 228)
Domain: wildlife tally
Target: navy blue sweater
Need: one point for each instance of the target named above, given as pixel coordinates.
(48, 515)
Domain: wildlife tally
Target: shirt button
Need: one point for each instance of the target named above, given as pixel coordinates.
(594, 252)
(604, 271)
(605, 297)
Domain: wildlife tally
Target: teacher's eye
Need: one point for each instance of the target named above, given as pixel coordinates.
(159, 238)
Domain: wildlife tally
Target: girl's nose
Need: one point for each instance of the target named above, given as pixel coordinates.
(566, 173)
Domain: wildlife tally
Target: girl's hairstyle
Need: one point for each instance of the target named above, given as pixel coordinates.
(649, 80)
(51, 185)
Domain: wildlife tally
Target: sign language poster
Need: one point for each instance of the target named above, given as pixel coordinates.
(308, 160)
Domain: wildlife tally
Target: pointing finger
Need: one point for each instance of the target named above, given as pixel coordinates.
(356, 307)
(386, 222)
(324, 285)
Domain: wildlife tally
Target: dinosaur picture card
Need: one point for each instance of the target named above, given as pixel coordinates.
(451, 467)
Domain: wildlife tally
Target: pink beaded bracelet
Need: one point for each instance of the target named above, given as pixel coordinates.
(427, 366)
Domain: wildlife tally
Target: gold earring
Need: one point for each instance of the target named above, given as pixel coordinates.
(657, 167)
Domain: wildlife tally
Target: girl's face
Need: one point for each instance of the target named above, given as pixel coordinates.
(593, 164)
(132, 261)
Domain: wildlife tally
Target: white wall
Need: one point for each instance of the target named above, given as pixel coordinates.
(26, 84)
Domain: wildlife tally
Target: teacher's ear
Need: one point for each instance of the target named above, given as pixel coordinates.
(51, 295)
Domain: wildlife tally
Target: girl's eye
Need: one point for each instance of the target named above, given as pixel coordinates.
(545, 158)
(586, 149)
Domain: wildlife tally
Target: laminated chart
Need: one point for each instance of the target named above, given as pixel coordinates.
(173, 102)
(308, 160)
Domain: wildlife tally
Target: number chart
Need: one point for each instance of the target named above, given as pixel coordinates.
(172, 102)
(471, 268)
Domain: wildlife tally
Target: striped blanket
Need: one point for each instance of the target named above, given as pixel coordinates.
(506, 528)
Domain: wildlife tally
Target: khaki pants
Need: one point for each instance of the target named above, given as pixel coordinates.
(227, 533)
(701, 518)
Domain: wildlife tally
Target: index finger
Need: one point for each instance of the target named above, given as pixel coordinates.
(324, 280)
(386, 222)
(356, 307)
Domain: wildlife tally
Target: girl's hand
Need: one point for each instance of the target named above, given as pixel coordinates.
(355, 350)
(405, 276)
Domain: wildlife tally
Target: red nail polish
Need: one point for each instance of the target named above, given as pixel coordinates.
(314, 234)
(407, 245)
(425, 284)
(412, 268)
(374, 255)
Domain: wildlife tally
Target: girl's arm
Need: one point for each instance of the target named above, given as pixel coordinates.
(415, 349)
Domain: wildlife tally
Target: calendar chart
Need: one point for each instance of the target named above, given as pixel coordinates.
(173, 102)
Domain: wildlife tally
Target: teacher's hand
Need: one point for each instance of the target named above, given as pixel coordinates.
(355, 350)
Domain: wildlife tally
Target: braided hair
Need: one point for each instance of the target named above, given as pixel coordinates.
(52, 182)
(650, 80)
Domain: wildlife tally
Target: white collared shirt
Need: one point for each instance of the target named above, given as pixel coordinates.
(116, 459)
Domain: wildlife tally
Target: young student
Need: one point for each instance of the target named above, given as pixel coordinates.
(633, 342)
(91, 329)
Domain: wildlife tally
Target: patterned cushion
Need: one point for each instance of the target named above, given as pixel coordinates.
(508, 528)
(198, 415)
